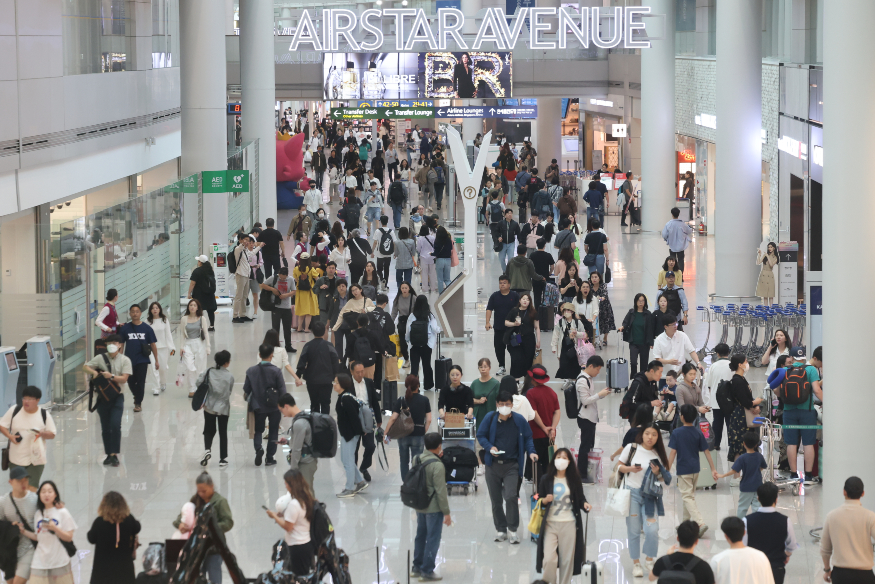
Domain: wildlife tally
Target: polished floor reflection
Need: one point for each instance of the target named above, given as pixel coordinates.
(161, 448)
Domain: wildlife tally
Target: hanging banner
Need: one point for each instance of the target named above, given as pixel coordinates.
(186, 185)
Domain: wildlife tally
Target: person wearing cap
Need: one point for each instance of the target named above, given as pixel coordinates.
(544, 401)
(676, 298)
(19, 508)
(202, 287)
(306, 303)
(802, 415)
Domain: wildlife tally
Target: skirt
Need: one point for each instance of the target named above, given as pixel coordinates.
(62, 575)
(766, 283)
(736, 430)
(569, 368)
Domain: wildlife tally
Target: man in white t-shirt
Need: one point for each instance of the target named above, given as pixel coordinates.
(718, 372)
(673, 348)
(740, 564)
(28, 427)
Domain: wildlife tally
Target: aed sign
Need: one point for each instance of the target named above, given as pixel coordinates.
(604, 28)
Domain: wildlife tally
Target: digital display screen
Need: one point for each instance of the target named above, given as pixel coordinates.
(11, 363)
(49, 349)
(220, 260)
(234, 109)
(471, 74)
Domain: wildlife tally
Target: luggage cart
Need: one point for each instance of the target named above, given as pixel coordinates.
(467, 437)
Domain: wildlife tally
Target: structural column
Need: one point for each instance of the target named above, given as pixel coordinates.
(202, 95)
(471, 126)
(738, 212)
(847, 116)
(548, 140)
(258, 82)
(657, 118)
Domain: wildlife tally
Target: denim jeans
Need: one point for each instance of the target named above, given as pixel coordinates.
(428, 540)
(347, 457)
(507, 252)
(599, 265)
(592, 213)
(556, 214)
(213, 567)
(442, 267)
(408, 448)
(403, 276)
(272, 420)
(396, 215)
(111, 424)
(633, 528)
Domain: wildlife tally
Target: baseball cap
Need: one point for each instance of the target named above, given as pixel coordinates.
(797, 353)
(304, 256)
(18, 473)
(202, 259)
(669, 275)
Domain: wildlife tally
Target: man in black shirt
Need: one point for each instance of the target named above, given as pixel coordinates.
(596, 243)
(645, 385)
(273, 245)
(543, 266)
(318, 366)
(500, 303)
(682, 556)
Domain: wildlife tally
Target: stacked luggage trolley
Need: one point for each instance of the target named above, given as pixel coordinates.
(460, 455)
(747, 321)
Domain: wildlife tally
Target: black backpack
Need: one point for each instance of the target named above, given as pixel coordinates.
(673, 298)
(352, 214)
(211, 284)
(320, 526)
(324, 434)
(724, 397)
(419, 333)
(627, 406)
(396, 194)
(232, 261)
(362, 350)
(796, 389)
(495, 212)
(460, 464)
(678, 573)
(387, 242)
(304, 281)
(414, 489)
(572, 406)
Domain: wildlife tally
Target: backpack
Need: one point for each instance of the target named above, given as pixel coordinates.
(323, 429)
(495, 212)
(532, 239)
(678, 573)
(627, 405)
(544, 200)
(555, 192)
(362, 351)
(387, 242)
(724, 397)
(396, 193)
(351, 214)
(419, 333)
(153, 559)
(320, 526)
(271, 395)
(382, 326)
(232, 261)
(440, 174)
(673, 298)
(572, 406)
(211, 284)
(414, 489)
(795, 389)
(304, 281)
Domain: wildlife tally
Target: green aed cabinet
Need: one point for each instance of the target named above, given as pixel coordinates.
(40, 365)
(9, 372)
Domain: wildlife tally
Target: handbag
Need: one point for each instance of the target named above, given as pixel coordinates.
(106, 389)
(69, 546)
(608, 277)
(537, 519)
(619, 498)
(749, 418)
(454, 419)
(404, 425)
(454, 257)
(589, 259)
(200, 394)
(516, 340)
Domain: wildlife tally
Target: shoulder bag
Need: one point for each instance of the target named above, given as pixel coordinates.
(619, 497)
(403, 426)
(23, 520)
(106, 389)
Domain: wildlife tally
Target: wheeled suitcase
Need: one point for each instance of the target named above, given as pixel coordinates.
(618, 372)
(442, 367)
(590, 572)
(546, 318)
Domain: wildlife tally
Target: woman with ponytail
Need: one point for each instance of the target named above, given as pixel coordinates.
(217, 407)
(418, 407)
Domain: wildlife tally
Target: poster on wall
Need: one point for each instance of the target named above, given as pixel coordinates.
(411, 76)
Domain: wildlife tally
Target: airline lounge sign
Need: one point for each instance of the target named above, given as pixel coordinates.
(623, 26)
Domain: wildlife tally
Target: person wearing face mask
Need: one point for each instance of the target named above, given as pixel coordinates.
(457, 396)
(507, 438)
(116, 367)
(561, 541)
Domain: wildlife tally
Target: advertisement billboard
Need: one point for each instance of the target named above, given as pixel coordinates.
(416, 76)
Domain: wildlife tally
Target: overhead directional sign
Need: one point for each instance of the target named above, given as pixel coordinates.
(379, 113)
(525, 111)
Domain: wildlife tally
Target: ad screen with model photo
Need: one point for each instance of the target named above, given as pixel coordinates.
(471, 74)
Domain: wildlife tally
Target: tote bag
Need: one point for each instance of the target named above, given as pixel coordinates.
(454, 257)
(619, 498)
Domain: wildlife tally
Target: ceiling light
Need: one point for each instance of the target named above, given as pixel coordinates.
(403, 2)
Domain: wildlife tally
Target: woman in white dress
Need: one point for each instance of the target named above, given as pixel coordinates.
(165, 346)
(195, 346)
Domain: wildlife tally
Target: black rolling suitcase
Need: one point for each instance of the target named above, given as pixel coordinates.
(441, 368)
(546, 318)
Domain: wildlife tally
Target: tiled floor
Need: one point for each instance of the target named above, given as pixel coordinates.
(162, 445)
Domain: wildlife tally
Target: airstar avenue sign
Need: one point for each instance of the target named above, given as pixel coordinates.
(604, 29)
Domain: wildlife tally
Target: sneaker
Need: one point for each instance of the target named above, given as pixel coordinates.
(237, 320)
(138, 408)
(108, 460)
(246, 318)
(163, 387)
(361, 486)
(115, 461)
(291, 349)
(258, 456)
(223, 463)
(366, 475)
(810, 481)
(702, 530)
(481, 470)
(637, 571)
(212, 329)
(206, 458)
(270, 462)
(514, 538)
(500, 536)
(501, 372)
(648, 565)
(414, 573)
(587, 481)
(345, 494)
(156, 391)
(433, 575)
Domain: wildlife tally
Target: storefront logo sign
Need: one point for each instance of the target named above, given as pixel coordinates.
(601, 102)
(623, 27)
(793, 147)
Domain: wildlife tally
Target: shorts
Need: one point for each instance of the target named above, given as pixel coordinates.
(22, 568)
(34, 472)
(800, 418)
(373, 213)
(254, 287)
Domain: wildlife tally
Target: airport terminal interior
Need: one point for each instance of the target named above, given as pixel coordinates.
(676, 139)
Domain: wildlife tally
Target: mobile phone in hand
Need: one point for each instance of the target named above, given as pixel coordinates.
(265, 508)
(638, 466)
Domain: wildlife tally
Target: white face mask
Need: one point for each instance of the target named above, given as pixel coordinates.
(112, 349)
(746, 366)
(504, 410)
(561, 463)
